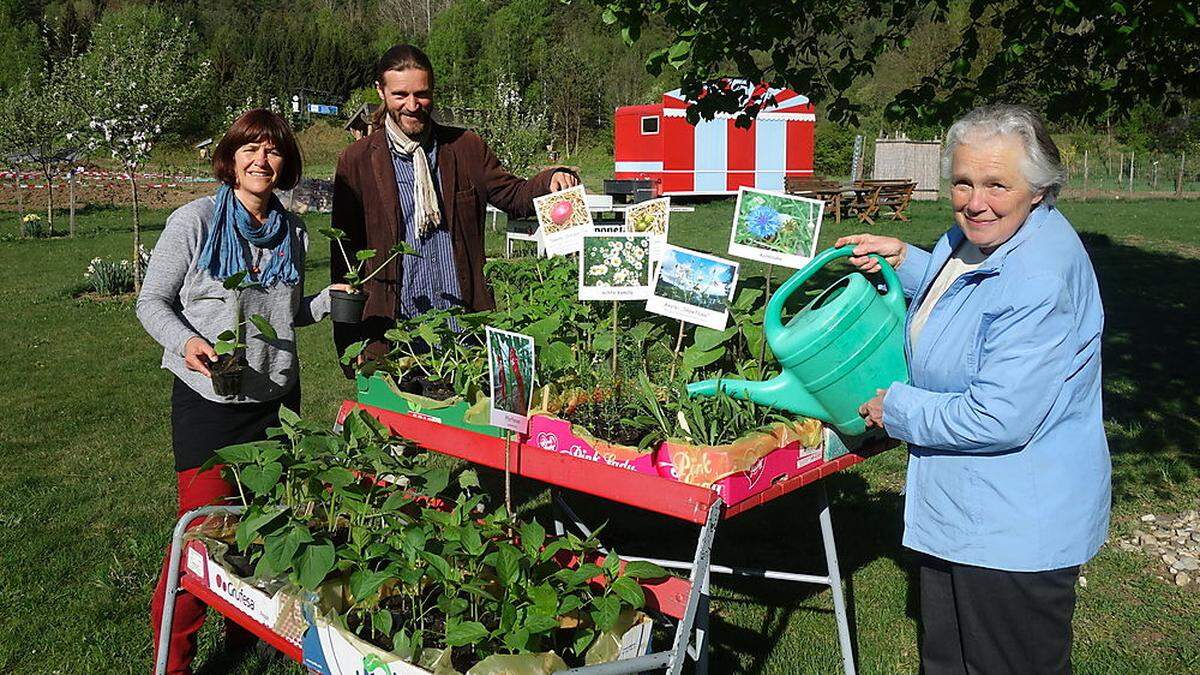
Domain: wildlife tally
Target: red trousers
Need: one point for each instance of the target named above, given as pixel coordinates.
(195, 489)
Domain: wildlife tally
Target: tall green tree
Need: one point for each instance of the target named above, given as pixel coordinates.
(140, 77)
(1086, 58)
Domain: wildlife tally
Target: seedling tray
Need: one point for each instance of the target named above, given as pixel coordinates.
(375, 391)
(645, 491)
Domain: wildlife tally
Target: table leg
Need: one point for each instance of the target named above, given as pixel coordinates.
(835, 583)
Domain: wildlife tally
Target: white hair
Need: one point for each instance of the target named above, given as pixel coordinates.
(1041, 166)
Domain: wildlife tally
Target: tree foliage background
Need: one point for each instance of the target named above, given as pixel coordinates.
(1104, 72)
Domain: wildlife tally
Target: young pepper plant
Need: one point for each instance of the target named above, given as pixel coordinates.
(354, 271)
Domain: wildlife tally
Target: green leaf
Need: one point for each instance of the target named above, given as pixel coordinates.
(316, 562)
(242, 453)
(541, 623)
(508, 563)
(612, 564)
(517, 640)
(262, 479)
(234, 280)
(472, 543)
(556, 355)
(364, 255)
(468, 479)
(542, 330)
(640, 569)
(437, 562)
(222, 348)
(264, 327)
(533, 536)
(583, 640)
(607, 609)
(629, 592)
(381, 621)
(364, 583)
(352, 352)
(436, 480)
(337, 477)
(568, 604)
(249, 528)
(403, 248)
(465, 633)
(332, 232)
(544, 599)
(288, 417)
(694, 358)
(585, 573)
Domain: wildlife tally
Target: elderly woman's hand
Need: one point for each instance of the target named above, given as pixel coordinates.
(872, 411)
(891, 249)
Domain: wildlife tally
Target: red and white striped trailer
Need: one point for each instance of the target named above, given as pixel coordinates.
(714, 157)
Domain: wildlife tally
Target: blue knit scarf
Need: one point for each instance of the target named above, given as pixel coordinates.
(221, 253)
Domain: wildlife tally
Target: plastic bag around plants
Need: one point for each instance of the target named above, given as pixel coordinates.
(705, 465)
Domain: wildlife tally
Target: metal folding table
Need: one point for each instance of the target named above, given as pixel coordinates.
(695, 504)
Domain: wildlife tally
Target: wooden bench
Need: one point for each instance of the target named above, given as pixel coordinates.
(875, 195)
(817, 187)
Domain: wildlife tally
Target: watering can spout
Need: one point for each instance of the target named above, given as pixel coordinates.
(783, 392)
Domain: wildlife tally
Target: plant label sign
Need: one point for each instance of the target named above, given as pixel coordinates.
(510, 372)
(775, 228)
(615, 267)
(693, 287)
(651, 217)
(563, 219)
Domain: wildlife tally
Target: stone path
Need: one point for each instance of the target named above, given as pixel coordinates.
(1174, 540)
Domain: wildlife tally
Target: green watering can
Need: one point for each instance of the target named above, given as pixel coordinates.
(845, 344)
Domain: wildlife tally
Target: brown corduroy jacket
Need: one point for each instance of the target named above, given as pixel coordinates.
(366, 207)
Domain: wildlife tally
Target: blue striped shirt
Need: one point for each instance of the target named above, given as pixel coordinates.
(431, 281)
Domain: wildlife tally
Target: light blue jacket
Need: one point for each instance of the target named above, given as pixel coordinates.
(1009, 465)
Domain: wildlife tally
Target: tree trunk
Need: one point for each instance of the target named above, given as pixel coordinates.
(50, 202)
(137, 235)
(21, 196)
(1085, 172)
(1131, 173)
(1179, 178)
(71, 200)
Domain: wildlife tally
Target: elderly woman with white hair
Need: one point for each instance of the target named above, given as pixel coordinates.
(1008, 484)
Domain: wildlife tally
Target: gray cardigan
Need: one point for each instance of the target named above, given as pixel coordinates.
(176, 304)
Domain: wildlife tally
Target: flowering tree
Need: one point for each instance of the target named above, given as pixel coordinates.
(515, 130)
(138, 80)
(37, 126)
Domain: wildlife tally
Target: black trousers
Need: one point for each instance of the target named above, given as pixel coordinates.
(985, 621)
(200, 427)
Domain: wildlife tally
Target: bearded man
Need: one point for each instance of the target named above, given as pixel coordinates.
(426, 184)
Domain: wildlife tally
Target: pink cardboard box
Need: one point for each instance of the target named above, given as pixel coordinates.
(556, 435)
(776, 466)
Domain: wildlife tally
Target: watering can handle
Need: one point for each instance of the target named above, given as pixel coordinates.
(773, 320)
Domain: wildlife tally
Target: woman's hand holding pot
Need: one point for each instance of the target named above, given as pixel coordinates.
(891, 249)
(197, 354)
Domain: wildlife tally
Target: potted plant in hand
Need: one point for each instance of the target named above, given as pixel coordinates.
(226, 371)
(347, 307)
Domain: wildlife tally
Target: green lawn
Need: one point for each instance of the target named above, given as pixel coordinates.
(87, 492)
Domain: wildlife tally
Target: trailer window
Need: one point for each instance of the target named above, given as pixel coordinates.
(649, 126)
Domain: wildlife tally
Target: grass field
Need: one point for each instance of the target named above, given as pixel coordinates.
(87, 489)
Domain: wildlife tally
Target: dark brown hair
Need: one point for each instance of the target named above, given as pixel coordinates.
(403, 57)
(254, 126)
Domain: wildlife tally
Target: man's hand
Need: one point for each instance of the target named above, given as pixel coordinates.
(562, 179)
(872, 411)
(197, 354)
(891, 249)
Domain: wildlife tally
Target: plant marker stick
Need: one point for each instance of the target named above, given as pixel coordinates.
(762, 349)
(678, 344)
(614, 354)
(508, 479)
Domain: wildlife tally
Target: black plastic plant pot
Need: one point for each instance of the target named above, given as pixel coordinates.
(346, 307)
(226, 375)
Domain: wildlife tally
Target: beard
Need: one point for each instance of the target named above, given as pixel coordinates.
(411, 124)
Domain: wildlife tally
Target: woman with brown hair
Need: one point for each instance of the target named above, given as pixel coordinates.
(184, 306)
